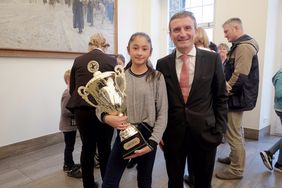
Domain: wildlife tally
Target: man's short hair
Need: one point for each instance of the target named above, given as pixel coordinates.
(233, 22)
(183, 14)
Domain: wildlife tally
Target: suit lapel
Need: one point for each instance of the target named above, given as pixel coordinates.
(174, 77)
(197, 74)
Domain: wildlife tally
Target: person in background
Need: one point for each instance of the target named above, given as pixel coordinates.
(146, 109)
(213, 46)
(242, 82)
(120, 59)
(201, 39)
(77, 10)
(267, 155)
(110, 9)
(68, 127)
(90, 12)
(91, 130)
(223, 49)
(197, 105)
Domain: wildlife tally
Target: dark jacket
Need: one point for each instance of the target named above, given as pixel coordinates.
(80, 74)
(242, 74)
(205, 113)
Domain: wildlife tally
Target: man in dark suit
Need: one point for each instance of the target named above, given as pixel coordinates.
(197, 102)
(91, 130)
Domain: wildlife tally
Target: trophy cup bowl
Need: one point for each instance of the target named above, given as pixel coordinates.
(106, 92)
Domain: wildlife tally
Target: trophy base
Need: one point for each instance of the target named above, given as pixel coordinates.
(129, 145)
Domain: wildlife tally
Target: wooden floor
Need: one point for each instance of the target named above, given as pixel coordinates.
(43, 169)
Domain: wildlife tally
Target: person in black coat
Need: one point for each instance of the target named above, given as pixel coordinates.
(91, 130)
(77, 10)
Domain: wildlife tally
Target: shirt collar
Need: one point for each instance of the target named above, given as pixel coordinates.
(192, 53)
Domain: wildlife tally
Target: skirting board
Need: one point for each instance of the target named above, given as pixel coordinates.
(256, 134)
(30, 145)
(47, 140)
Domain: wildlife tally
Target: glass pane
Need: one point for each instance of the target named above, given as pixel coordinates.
(195, 3)
(174, 5)
(198, 14)
(208, 13)
(208, 2)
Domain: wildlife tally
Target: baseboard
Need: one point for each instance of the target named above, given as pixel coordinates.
(30, 145)
(47, 140)
(255, 134)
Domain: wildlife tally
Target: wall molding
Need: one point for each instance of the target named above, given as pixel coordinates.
(256, 134)
(30, 145)
(55, 138)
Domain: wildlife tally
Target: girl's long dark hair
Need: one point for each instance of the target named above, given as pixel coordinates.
(152, 74)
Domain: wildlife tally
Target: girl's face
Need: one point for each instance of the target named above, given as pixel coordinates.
(139, 50)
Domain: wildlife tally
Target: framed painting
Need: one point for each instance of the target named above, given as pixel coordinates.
(55, 28)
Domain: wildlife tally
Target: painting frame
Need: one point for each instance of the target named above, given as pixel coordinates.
(34, 53)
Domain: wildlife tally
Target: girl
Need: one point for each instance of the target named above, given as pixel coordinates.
(146, 108)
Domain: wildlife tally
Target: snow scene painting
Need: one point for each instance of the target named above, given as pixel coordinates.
(55, 25)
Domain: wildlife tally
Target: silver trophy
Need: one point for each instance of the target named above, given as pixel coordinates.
(106, 92)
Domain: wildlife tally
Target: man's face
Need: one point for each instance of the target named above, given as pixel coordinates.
(182, 32)
(229, 32)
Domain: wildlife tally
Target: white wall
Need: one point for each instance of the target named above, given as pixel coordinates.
(127, 21)
(143, 16)
(31, 89)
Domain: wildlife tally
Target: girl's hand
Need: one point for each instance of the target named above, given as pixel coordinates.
(116, 121)
(139, 152)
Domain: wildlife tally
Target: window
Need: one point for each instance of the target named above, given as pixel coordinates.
(203, 11)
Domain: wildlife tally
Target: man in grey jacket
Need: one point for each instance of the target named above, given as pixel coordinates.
(242, 81)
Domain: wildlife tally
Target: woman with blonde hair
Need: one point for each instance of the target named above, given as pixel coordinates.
(92, 131)
(98, 41)
(201, 39)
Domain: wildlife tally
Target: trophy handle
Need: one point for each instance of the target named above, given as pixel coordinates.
(84, 94)
(120, 78)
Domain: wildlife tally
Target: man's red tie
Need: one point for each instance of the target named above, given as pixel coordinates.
(184, 77)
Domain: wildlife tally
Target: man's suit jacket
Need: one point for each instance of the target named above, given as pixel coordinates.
(80, 75)
(205, 113)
